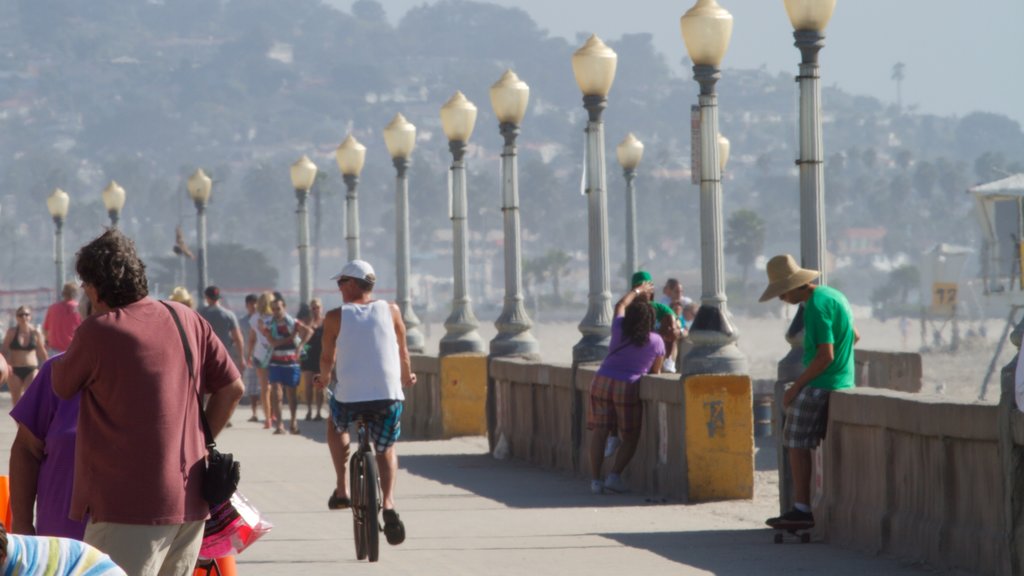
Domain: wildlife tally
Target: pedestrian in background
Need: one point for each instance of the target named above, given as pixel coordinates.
(257, 351)
(25, 348)
(310, 357)
(62, 318)
(249, 377)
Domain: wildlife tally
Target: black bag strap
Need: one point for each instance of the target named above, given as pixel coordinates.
(210, 444)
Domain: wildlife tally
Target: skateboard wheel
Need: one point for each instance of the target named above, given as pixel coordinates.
(778, 538)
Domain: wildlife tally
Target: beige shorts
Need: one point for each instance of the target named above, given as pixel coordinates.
(145, 550)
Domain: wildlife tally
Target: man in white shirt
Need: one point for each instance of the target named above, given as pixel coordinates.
(364, 342)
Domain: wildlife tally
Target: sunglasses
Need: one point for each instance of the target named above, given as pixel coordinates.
(24, 314)
(343, 280)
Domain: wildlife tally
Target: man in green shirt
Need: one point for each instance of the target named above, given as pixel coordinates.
(829, 336)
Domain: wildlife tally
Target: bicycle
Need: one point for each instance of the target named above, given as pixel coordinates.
(367, 500)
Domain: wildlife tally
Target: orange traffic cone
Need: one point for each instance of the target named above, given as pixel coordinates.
(5, 502)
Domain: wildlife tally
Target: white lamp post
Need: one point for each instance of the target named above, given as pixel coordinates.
(707, 29)
(400, 139)
(351, 156)
(113, 200)
(594, 67)
(509, 98)
(629, 152)
(57, 204)
(303, 173)
(458, 116)
(199, 187)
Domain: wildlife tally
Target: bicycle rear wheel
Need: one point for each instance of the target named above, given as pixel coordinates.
(355, 475)
(371, 506)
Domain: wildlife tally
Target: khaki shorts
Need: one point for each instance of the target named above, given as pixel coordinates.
(149, 550)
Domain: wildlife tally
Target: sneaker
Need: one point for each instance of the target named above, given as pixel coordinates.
(611, 445)
(794, 516)
(596, 487)
(614, 483)
(394, 528)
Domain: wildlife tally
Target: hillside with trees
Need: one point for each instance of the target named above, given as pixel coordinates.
(145, 91)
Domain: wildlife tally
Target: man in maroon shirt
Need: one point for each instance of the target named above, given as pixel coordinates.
(139, 458)
(62, 319)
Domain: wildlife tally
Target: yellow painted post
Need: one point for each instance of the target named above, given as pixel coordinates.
(719, 437)
(464, 395)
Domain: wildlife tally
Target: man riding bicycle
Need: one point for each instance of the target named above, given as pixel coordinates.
(364, 342)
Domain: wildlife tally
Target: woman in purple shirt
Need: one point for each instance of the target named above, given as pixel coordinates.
(634, 350)
(43, 457)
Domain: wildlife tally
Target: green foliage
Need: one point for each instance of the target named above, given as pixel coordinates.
(744, 238)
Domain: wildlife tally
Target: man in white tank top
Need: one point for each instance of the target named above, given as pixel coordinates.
(364, 341)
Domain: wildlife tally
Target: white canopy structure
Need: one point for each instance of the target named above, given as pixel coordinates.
(999, 206)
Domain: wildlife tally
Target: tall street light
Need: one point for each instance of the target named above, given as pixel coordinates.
(509, 98)
(594, 67)
(629, 153)
(706, 30)
(303, 173)
(458, 116)
(809, 19)
(400, 138)
(113, 200)
(57, 203)
(351, 156)
(199, 186)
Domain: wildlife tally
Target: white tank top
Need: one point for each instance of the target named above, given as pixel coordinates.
(367, 354)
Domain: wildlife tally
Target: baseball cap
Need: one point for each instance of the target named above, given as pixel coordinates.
(212, 292)
(358, 269)
(640, 277)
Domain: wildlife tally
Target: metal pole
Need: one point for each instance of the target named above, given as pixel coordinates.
(413, 337)
(631, 244)
(352, 216)
(461, 326)
(201, 260)
(58, 254)
(713, 334)
(596, 325)
(514, 337)
(304, 265)
(812, 174)
(115, 217)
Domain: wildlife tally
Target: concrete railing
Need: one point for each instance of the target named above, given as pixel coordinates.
(926, 478)
(540, 417)
(890, 370)
(421, 415)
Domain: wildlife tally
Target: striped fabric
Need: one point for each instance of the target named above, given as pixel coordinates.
(50, 556)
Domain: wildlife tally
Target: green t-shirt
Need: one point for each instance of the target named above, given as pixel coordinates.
(827, 320)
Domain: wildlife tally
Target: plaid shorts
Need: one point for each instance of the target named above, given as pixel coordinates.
(252, 382)
(614, 404)
(384, 421)
(806, 419)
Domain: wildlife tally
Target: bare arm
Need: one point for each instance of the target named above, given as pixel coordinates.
(41, 353)
(656, 367)
(628, 297)
(26, 458)
(329, 340)
(250, 345)
(856, 336)
(222, 404)
(408, 377)
(236, 339)
(8, 338)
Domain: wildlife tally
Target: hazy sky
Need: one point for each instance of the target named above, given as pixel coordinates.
(960, 56)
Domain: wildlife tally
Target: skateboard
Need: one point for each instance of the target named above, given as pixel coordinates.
(801, 530)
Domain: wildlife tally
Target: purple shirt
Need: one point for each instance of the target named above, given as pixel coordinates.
(627, 362)
(54, 421)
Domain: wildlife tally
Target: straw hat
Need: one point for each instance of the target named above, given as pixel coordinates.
(784, 275)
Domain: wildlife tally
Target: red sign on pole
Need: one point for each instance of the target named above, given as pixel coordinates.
(695, 144)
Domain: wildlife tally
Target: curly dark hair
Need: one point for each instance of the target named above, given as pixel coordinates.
(111, 266)
(638, 322)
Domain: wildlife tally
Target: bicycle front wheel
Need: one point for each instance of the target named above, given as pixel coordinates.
(371, 506)
(355, 476)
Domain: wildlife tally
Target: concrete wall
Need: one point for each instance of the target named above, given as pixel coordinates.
(540, 417)
(922, 478)
(421, 414)
(891, 370)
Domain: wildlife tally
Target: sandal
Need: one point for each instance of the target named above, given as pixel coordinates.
(338, 502)
(394, 529)
(294, 429)
(253, 418)
(278, 431)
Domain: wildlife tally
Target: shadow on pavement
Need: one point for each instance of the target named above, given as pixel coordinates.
(512, 483)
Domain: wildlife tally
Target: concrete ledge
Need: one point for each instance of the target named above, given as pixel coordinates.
(921, 414)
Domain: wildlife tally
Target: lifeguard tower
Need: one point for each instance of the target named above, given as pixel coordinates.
(999, 207)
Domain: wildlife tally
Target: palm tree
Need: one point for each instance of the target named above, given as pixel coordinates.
(898, 76)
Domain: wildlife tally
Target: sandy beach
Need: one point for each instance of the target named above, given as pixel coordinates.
(957, 374)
